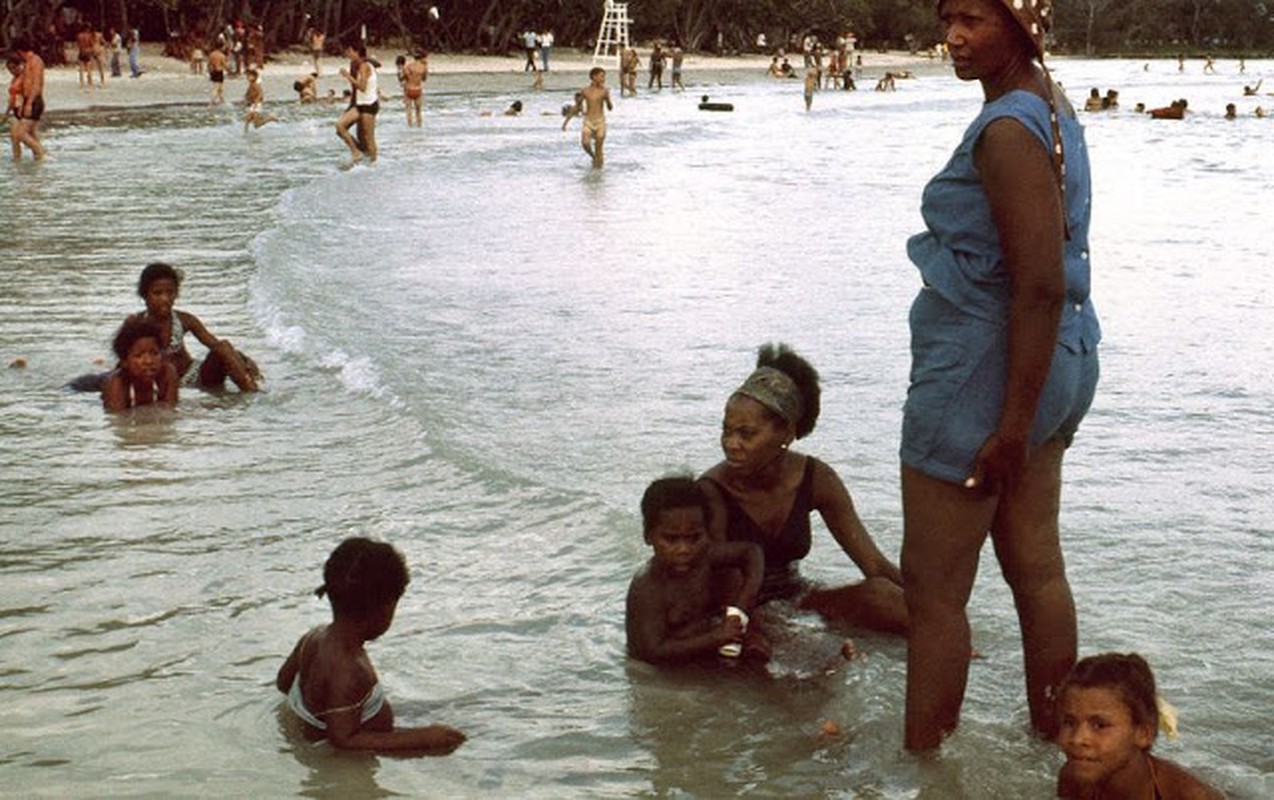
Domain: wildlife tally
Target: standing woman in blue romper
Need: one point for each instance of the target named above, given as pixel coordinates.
(1004, 366)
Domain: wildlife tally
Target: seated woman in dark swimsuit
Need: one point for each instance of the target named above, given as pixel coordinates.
(764, 493)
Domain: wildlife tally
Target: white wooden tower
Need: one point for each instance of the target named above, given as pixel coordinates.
(612, 38)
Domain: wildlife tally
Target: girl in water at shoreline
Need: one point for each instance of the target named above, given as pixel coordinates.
(159, 286)
(142, 376)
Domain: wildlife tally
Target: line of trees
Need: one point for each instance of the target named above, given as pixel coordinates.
(493, 26)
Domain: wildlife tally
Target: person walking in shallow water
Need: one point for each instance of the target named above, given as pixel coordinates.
(596, 103)
(366, 103)
(31, 83)
(1004, 367)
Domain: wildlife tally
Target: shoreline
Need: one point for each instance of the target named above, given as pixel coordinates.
(168, 81)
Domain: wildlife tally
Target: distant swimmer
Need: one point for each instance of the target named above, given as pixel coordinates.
(1230, 111)
(1110, 101)
(1250, 91)
(1176, 110)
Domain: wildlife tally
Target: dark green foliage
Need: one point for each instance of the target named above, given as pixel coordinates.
(493, 26)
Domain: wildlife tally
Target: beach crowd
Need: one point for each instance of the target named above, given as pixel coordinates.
(1004, 343)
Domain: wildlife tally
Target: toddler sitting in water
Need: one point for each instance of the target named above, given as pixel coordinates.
(142, 376)
(329, 680)
(1109, 719)
(684, 604)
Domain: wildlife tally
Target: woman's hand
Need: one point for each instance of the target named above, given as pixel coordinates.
(999, 463)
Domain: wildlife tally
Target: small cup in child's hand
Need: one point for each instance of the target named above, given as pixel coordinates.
(734, 649)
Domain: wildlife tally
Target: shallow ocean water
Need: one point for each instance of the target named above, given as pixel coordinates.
(481, 351)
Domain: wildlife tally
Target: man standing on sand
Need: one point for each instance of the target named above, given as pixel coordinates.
(530, 44)
(217, 63)
(596, 103)
(546, 48)
(32, 98)
(315, 39)
(84, 44)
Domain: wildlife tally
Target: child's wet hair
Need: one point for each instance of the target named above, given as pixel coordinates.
(362, 575)
(157, 272)
(673, 491)
(594, 72)
(1128, 674)
(134, 329)
(785, 360)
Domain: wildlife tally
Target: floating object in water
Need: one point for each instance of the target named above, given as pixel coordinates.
(706, 105)
(18, 363)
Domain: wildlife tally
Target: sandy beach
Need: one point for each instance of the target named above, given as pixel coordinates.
(169, 81)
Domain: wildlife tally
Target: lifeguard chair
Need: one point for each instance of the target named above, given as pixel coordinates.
(612, 38)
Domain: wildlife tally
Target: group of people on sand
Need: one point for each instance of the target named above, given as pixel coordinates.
(1004, 368)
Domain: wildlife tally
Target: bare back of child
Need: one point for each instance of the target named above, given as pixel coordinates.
(329, 680)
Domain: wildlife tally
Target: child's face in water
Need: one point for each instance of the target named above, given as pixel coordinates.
(160, 297)
(680, 538)
(1098, 734)
(144, 359)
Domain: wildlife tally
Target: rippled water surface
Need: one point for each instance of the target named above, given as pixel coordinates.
(481, 351)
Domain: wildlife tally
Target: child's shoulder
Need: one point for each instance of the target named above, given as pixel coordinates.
(1178, 783)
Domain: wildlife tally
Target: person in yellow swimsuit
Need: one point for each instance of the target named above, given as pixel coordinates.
(596, 103)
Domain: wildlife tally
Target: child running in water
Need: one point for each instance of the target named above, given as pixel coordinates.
(142, 376)
(1110, 717)
(254, 98)
(329, 680)
(159, 286)
(679, 602)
